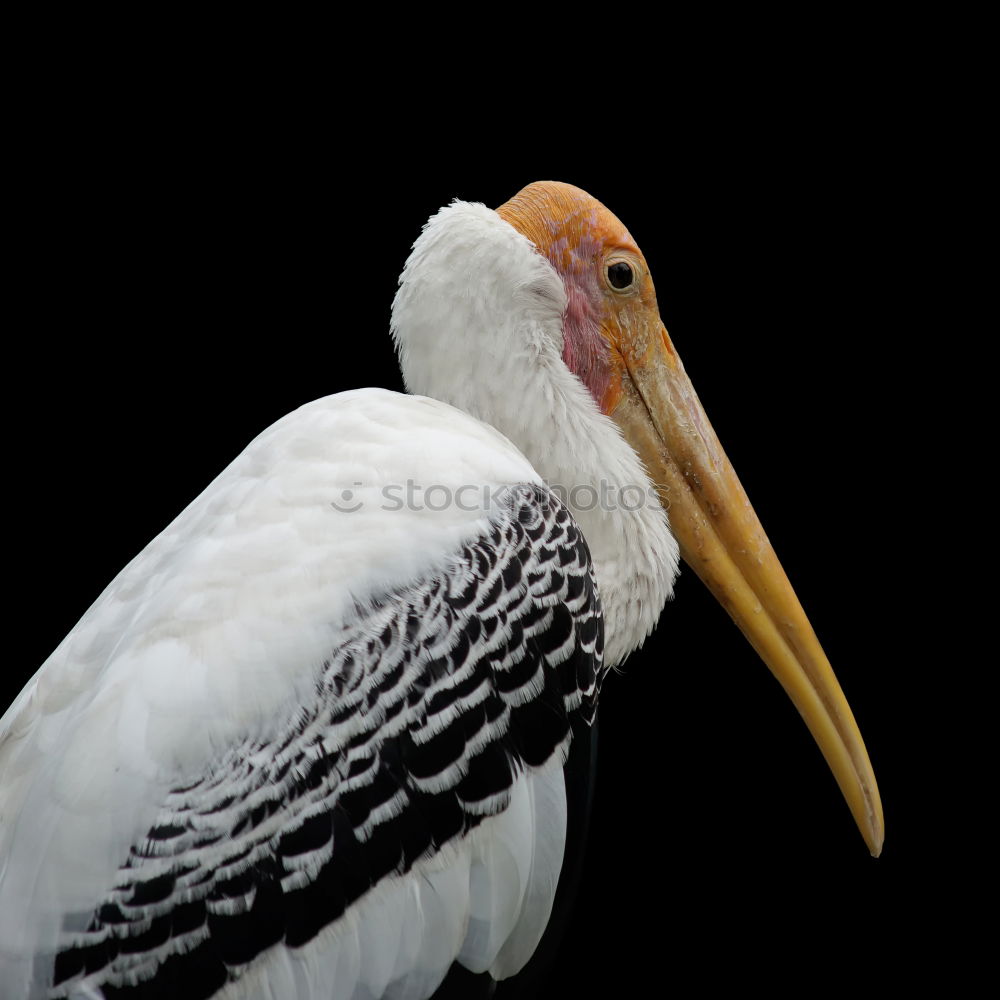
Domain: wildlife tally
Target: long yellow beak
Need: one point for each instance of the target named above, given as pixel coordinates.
(722, 540)
(651, 398)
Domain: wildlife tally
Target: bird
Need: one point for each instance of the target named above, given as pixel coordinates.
(330, 733)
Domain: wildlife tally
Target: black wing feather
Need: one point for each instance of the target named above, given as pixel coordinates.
(425, 712)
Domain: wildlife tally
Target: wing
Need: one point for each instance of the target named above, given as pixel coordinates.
(397, 806)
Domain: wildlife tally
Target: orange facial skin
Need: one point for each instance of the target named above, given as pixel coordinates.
(606, 328)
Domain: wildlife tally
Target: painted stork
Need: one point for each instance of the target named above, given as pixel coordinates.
(311, 741)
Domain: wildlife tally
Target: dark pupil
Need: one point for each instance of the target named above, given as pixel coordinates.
(620, 275)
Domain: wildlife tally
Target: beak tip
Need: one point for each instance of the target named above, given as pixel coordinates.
(876, 846)
(875, 836)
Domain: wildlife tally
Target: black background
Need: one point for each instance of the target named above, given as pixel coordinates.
(195, 266)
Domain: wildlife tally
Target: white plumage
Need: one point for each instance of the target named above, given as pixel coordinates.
(498, 355)
(215, 634)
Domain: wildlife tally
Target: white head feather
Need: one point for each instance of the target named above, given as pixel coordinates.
(478, 323)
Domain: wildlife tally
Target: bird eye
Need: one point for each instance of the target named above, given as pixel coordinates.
(619, 275)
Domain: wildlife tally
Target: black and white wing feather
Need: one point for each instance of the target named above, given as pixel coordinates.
(405, 811)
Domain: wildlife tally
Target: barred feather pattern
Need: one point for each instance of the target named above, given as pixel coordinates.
(433, 702)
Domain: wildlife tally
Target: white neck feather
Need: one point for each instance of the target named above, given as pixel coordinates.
(478, 322)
